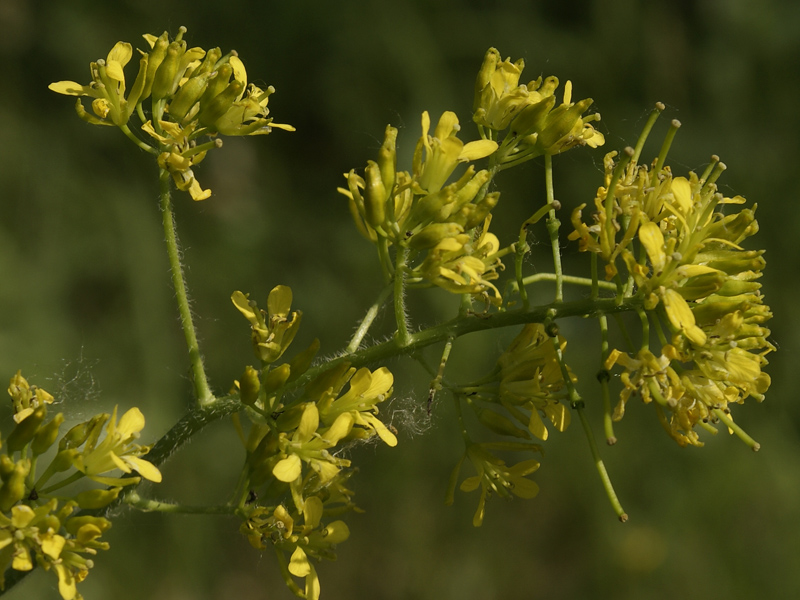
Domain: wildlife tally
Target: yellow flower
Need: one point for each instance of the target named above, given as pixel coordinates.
(359, 403)
(273, 330)
(494, 476)
(307, 444)
(110, 106)
(443, 152)
(26, 398)
(117, 450)
(462, 265)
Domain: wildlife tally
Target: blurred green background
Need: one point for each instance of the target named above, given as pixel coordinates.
(86, 305)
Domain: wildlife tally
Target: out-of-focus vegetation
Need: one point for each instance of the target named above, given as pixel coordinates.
(86, 305)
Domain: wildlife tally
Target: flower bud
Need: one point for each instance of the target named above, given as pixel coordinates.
(387, 159)
(559, 124)
(217, 107)
(249, 386)
(276, 377)
(93, 499)
(164, 82)
(155, 58)
(217, 84)
(187, 96)
(432, 234)
(47, 435)
(26, 429)
(532, 118)
(499, 424)
(375, 196)
(488, 67)
(300, 363)
(13, 489)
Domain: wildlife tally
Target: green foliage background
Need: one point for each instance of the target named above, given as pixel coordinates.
(86, 306)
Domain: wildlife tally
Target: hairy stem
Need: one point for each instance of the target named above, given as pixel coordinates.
(202, 392)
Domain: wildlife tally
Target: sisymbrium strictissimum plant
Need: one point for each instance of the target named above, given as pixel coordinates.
(671, 250)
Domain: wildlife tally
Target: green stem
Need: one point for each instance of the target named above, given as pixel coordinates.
(553, 225)
(726, 419)
(202, 391)
(608, 423)
(363, 328)
(137, 141)
(147, 505)
(402, 334)
(601, 468)
(576, 402)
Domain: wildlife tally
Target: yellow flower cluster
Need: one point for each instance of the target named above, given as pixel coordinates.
(420, 212)
(536, 126)
(36, 526)
(193, 93)
(691, 268)
(526, 385)
(292, 448)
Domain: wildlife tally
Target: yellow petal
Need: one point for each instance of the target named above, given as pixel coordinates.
(309, 422)
(298, 564)
(536, 425)
(145, 468)
(132, 422)
(653, 241)
(682, 192)
(22, 559)
(682, 317)
(279, 302)
(312, 512)
(52, 545)
(66, 582)
(239, 72)
(121, 53)
(70, 88)
(477, 149)
(559, 415)
(288, 469)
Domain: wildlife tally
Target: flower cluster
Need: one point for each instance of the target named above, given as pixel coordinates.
(536, 126)
(36, 522)
(691, 269)
(193, 94)
(293, 463)
(419, 211)
(526, 385)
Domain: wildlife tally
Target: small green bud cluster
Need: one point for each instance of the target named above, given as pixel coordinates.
(37, 526)
(292, 466)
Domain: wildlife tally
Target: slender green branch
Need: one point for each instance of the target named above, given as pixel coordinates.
(146, 147)
(553, 225)
(603, 376)
(726, 419)
(363, 328)
(144, 504)
(578, 405)
(571, 279)
(203, 393)
(399, 297)
(601, 468)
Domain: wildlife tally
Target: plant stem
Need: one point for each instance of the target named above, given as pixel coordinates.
(147, 505)
(601, 468)
(363, 328)
(402, 334)
(202, 392)
(553, 225)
